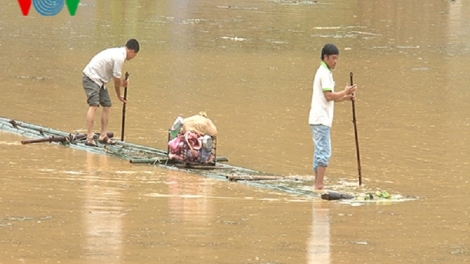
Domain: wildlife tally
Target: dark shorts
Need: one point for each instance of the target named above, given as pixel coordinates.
(96, 95)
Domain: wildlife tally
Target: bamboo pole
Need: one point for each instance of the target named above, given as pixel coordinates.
(355, 135)
(148, 161)
(124, 109)
(162, 160)
(68, 138)
(54, 139)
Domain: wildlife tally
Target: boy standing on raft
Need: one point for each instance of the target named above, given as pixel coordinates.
(104, 67)
(322, 108)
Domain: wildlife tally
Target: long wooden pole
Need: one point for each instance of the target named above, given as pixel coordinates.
(124, 109)
(69, 138)
(260, 178)
(355, 134)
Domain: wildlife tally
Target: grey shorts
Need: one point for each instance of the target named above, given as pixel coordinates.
(96, 95)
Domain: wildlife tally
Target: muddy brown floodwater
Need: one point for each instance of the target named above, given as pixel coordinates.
(250, 66)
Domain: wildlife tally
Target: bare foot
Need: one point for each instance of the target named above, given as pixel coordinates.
(318, 187)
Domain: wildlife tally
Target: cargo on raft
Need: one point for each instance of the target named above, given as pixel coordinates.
(193, 141)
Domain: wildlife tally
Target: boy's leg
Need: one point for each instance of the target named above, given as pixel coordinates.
(104, 122)
(319, 176)
(92, 93)
(105, 102)
(90, 118)
(321, 138)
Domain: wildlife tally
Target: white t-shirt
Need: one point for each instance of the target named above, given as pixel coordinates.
(321, 110)
(106, 65)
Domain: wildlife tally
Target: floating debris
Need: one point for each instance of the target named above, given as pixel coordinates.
(238, 7)
(379, 47)
(293, 2)
(361, 243)
(420, 69)
(39, 78)
(234, 38)
(382, 194)
(326, 27)
(191, 21)
(332, 195)
(277, 42)
(407, 47)
(336, 36)
(366, 33)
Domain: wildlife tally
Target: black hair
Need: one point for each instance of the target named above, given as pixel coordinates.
(329, 49)
(133, 44)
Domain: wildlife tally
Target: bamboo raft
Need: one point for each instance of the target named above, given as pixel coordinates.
(136, 154)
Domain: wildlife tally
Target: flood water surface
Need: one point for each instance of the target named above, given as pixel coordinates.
(249, 65)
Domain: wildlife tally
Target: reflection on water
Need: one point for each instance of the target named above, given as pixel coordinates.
(318, 246)
(189, 197)
(103, 212)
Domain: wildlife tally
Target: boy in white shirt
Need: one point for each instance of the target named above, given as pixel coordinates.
(322, 108)
(104, 67)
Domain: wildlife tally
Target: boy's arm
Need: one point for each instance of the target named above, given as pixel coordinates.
(117, 87)
(347, 93)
